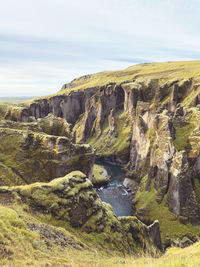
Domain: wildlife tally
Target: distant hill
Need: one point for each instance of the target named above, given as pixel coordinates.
(15, 99)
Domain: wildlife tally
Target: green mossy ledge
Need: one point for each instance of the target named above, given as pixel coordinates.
(69, 204)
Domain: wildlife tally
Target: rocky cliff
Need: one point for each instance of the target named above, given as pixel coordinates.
(145, 118)
(40, 151)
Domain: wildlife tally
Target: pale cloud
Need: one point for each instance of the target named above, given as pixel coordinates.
(45, 43)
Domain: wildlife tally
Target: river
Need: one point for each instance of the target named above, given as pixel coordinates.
(114, 192)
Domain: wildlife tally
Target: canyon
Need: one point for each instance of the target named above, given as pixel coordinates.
(145, 119)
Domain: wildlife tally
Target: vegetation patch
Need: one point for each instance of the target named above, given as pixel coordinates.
(148, 210)
(182, 135)
(108, 145)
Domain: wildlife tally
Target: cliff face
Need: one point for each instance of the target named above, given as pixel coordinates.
(69, 106)
(31, 152)
(162, 155)
(146, 117)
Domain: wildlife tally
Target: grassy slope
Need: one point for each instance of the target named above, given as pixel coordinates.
(26, 247)
(165, 71)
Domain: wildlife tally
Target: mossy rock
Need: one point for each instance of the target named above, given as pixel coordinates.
(27, 156)
(100, 175)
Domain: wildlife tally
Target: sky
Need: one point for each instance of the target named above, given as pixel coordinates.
(46, 43)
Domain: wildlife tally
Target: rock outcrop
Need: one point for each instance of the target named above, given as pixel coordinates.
(28, 153)
(72, 201)
(50, 125)
(100, 176)
(69, 106)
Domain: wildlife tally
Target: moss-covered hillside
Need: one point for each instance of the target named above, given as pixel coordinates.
(32, 234)
(50, 223)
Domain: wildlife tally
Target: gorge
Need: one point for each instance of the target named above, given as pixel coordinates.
(142, 124)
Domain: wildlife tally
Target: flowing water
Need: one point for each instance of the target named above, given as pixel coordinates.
(114, 192)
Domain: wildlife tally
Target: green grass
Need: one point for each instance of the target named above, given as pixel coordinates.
(190, 97)
(182, 135)
(165, 71)
(174, 257)
(21, 246)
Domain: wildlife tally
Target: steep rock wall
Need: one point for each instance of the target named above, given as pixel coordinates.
(69, 106)
(28, 154)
